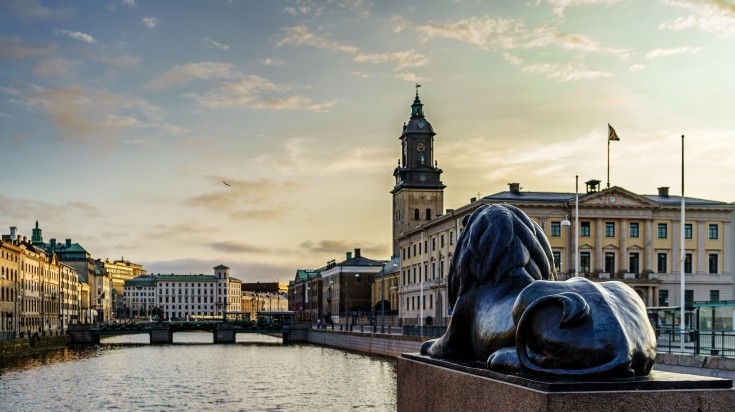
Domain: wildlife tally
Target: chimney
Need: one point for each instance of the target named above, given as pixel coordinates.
(357, 252)
(514, 187)
(68, 243)
(13, 233)
(663, 191)
(473, 199)
(349, 255)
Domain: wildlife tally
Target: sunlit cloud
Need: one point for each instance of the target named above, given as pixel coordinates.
(240, 198)
(272, 62)
(150, 22)
(84, 114)
(559, 6)
(301, 36)
(312, 8)
(23, 209)
(564, 72)
(673, 51)
(410, 77)
(235, 89)
(636, 68)
(211, 43)
(234, 246)
(76, 35)
(710, 16)
(360, 75)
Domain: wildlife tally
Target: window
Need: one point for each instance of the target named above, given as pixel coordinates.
(713, 264)
(610, 262)
(609, 229)
(634, 262)
(557, 261)
(416, 214)
(688, 263)
(713, 232)
(414, 249)
(663, 297)
(428, 214)
(634, 230)
(555, 229)
(451, 238)
(584, 229)
(584, 262)
(687, 231)
(433, 243)
(663, 230)
(714, 296)
(689, 298)
(661, 261)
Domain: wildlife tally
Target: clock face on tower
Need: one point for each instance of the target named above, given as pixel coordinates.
(421, 124)
(420, 147)
(422, 178)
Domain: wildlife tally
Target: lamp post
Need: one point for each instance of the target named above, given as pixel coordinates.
(564, 223)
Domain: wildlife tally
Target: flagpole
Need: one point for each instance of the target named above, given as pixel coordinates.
(682, 276)
(576, 225)
(608, 158)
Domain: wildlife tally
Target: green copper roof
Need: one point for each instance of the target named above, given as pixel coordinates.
(220, 266)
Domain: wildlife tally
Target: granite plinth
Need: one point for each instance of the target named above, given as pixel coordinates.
(426, 384)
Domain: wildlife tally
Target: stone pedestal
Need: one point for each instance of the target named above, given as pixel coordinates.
(426, 384)
(161, 333)
(224, 333)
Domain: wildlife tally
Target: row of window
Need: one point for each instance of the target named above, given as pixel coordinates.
(414, 301)
(408, 272)
(634, 230)
(634, 262)
(663, 297)
(406, 252)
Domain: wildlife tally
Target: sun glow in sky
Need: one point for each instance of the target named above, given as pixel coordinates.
(121, 120)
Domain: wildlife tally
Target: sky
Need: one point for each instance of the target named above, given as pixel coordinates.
(121, 120)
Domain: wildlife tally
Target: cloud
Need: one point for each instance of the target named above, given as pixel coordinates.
(211, 43)
(129, 3)
(502, 34)
(564, 72)
(24, 209)
(360, 75)
(272, 62)
(234, 246)
(121, 62)
(76, 35)
(292, 158)
(12, 47)
(710, 16)
(410, 77)
(245, 198)
(57, 67)
(247, 271)
(340, 247)
(559, 6)
(150, 22)
(670, 52)
(82, 114)
(33, 10)
(311, 8)
(636, 68)
(301, 36)
(235, 89)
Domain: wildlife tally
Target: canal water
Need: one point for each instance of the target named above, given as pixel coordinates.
(255, 374)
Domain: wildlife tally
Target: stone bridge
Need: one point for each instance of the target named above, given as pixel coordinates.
(163, 332)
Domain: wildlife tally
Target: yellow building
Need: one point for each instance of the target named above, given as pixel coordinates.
(120, 271)
(622, 236)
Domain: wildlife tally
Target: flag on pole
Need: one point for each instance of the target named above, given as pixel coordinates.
(611, 135)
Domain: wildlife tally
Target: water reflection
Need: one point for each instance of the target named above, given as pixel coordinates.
(257, 374)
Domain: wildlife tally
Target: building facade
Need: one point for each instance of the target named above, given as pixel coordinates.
(183, 296)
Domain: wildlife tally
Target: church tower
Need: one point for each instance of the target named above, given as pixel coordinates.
(418, 195)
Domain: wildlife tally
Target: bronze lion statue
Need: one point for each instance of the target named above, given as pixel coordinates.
(509, 311)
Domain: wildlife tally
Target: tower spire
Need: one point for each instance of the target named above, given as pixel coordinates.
(417, 108)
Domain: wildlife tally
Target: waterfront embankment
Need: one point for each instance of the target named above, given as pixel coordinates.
(29, 346)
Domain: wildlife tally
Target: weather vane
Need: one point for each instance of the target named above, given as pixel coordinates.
(417, 89)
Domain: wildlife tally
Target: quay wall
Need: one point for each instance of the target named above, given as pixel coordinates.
(370, 343)
(27, 346)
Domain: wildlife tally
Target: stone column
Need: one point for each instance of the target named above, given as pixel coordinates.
(648, 246)
(701, 255)
(623, 259)
(598, 246)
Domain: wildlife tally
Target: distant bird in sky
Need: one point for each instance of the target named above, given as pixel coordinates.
(226, 184)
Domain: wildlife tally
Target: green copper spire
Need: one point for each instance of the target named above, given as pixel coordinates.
(37, 236)
(417, 108)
